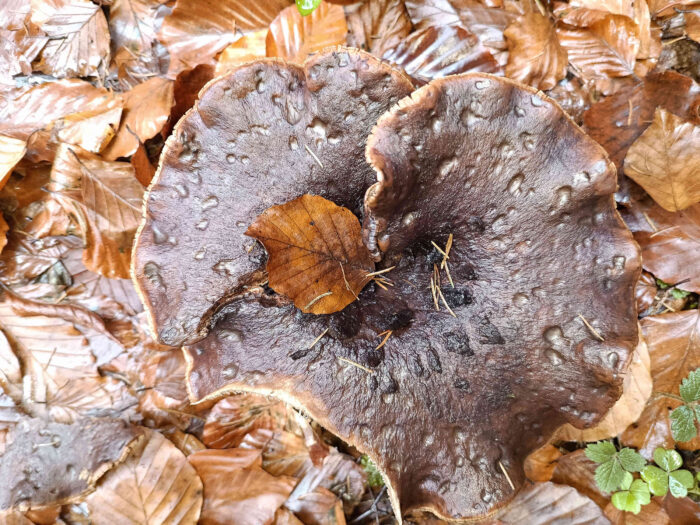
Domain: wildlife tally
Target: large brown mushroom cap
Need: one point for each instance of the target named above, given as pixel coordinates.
(261, 135)
(545, 322)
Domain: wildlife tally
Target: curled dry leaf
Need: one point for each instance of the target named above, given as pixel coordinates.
(78, 43)
(665, 161)
(105, 198)
(636, 389)
(670, 242)
(535, 55)
(674, 349)
(645, 292)
(293, 37)
(185, 92)
(247, 48)
(195, 32)
(485, 22)
(236, 490)
(618, 120)
(576, 470)
(146, 110)
(540, 465)
(378, 25)
(316, 254)
(320, 507)
(90, 130)
(155, 484)
(235, 416)
(549, 504)
(11, 152)
(436, 52)
(692, 25)
(608, 48)
(60, 463)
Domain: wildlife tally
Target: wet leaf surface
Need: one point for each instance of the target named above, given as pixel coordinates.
(378, 25)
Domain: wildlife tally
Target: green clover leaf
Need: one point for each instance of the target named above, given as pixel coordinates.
(306, 7)
(632, 500)
(667, 459)
(657, 480)
(679, 482)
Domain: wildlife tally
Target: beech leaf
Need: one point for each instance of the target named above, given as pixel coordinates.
(378, 25)
(292, 36)
(155, 484)
(665, 161)
(316, 254)
(11, 152)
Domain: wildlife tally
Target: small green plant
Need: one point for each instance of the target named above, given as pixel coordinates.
(616, 474)
(374, 478)
(674, 292)
(683, 418)
(306, 7)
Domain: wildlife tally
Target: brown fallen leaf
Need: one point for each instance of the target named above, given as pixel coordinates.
(682, 510)
(236, 490)
(583, 13)
(548, 504)
(236, 415)
(636, 390)
(674, 349)
(316, 254)
(65, 461)
(536, 57)
(155, 484)
(13, 517)
(91, 130)
(661, 8)
(285, 517)
(185, 92)
(187, 443)
(436, 52)
(576, 470)
(144, 170)
(283, 453)
(670, 242)
(320, 507)
(11, 152)
(608, 48)
(78, 43)
(4, 228)
(195, 32)
(292, 36)
(645, 292)
(540, 465)
(247, 48)
(105, 198)
(378, 25)
(146, 110)
(692, 25)
(252, 15)
(618, 120)
(665, 161)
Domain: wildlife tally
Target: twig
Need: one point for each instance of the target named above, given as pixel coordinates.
(505, 473)
(313, 155)
(593, 330)
(317, 299)
(379, 272)
(358, 365)
(318, 339)
(372, 509)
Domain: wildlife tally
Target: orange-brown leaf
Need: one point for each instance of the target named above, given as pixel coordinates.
(692, 25)
(316, 254)
(378, 25)
(292, 36)
(247, 48)
(11, 152)
(106, 199)
(146, 110)
(665, 161)
(535, 58)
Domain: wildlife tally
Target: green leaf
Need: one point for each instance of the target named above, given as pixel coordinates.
(632, 500)
(690, 387)
(657, 480)
(667, 459)
(679, 482)
(661, 284)
(683, 423)
(374, 478)
(601, 452)
(306, 7)
(630, 460)
(610, 475)
(677, 293)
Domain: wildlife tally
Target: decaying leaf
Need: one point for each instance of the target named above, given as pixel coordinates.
(91, 130)
(196, 31)
(253, 15)
(665, 161)
(316, 254)
(535, 57)
(249, 47)
(237, 415)
(78, 43)
(636, 390)
(11, 152)
(146, 110)
(608, 48)
(436, 52)
(292, 36)
(49, 463)
(155, 484)
(236, 486)
(692, 25)
(185, 92)
(378, 25)
(105, 198)
(540, 465)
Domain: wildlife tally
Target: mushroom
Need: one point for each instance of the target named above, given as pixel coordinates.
(511, 312)
(255, 138)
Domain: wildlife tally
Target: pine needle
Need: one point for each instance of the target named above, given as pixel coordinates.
(379, 272)
(318, 339)
(445, 303)
(358, 365)
(386, 338)
(313, 155)
(347, 284)
(505, 473)
(317, 299)
(445, 256)
(590, 327)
